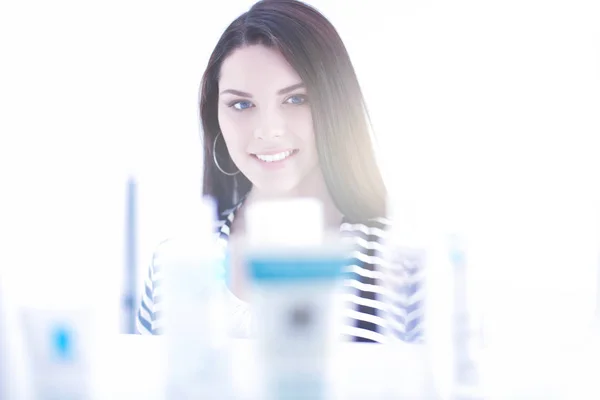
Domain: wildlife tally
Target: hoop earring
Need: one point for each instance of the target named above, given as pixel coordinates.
(217, 163)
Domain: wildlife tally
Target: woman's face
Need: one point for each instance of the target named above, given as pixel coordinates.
(266, 119)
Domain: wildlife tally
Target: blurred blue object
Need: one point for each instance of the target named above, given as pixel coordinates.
(466, 379)
(62, 343)
(130, 270)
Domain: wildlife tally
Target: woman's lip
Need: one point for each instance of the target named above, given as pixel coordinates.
(277, 163)
(271, 152)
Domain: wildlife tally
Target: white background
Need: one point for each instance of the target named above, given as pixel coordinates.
(487, 115)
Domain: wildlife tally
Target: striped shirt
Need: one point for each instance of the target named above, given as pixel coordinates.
(367, 304)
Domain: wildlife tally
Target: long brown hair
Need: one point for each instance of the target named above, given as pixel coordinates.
(312, 46)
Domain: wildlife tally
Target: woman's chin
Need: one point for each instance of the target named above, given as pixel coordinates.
(275, 189)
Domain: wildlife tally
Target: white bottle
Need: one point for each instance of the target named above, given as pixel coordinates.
(466, 368)
(196, 338)
(407, 259)
(295, 281)
(61, 330)
(60, 345)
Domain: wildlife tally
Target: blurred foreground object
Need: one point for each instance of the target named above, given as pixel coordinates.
(58, 346)
(452, 330)
(131, 248)
(466, 370)
(4, 348)
(296, 276)
(195, 326)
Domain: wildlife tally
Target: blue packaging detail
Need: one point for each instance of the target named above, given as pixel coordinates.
(62, 343)
(297, 267)
(300, 387)
(225, 271)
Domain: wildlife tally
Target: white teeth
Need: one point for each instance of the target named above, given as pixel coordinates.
(274, 157)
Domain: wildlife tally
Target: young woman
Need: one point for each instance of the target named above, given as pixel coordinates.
(282, 116)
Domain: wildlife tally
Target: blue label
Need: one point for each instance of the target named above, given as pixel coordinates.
(278, 268)
(62, 343)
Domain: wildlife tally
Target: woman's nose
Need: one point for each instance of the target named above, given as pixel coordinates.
(271, 124)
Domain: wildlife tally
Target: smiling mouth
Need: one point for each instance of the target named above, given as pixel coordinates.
(276, 157)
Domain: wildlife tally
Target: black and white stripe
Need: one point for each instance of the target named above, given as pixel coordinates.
(367, 301)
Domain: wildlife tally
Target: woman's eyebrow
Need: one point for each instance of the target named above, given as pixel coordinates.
(279, 92)
(236, 92)
(290, 88)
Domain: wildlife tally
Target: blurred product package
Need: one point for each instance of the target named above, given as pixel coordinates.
(465, 331)
(296, 272)
(60, 336)
(195, 322)
(426, 280)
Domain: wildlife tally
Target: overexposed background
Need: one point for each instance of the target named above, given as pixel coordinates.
(487, 116)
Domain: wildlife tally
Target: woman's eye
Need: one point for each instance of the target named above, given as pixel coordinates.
(296, 99)
(241, 105)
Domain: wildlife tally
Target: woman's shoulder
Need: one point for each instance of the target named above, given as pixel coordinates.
(369, 237)
(381, 222)
(377, 226)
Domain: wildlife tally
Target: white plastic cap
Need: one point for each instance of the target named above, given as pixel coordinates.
(288, 222)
